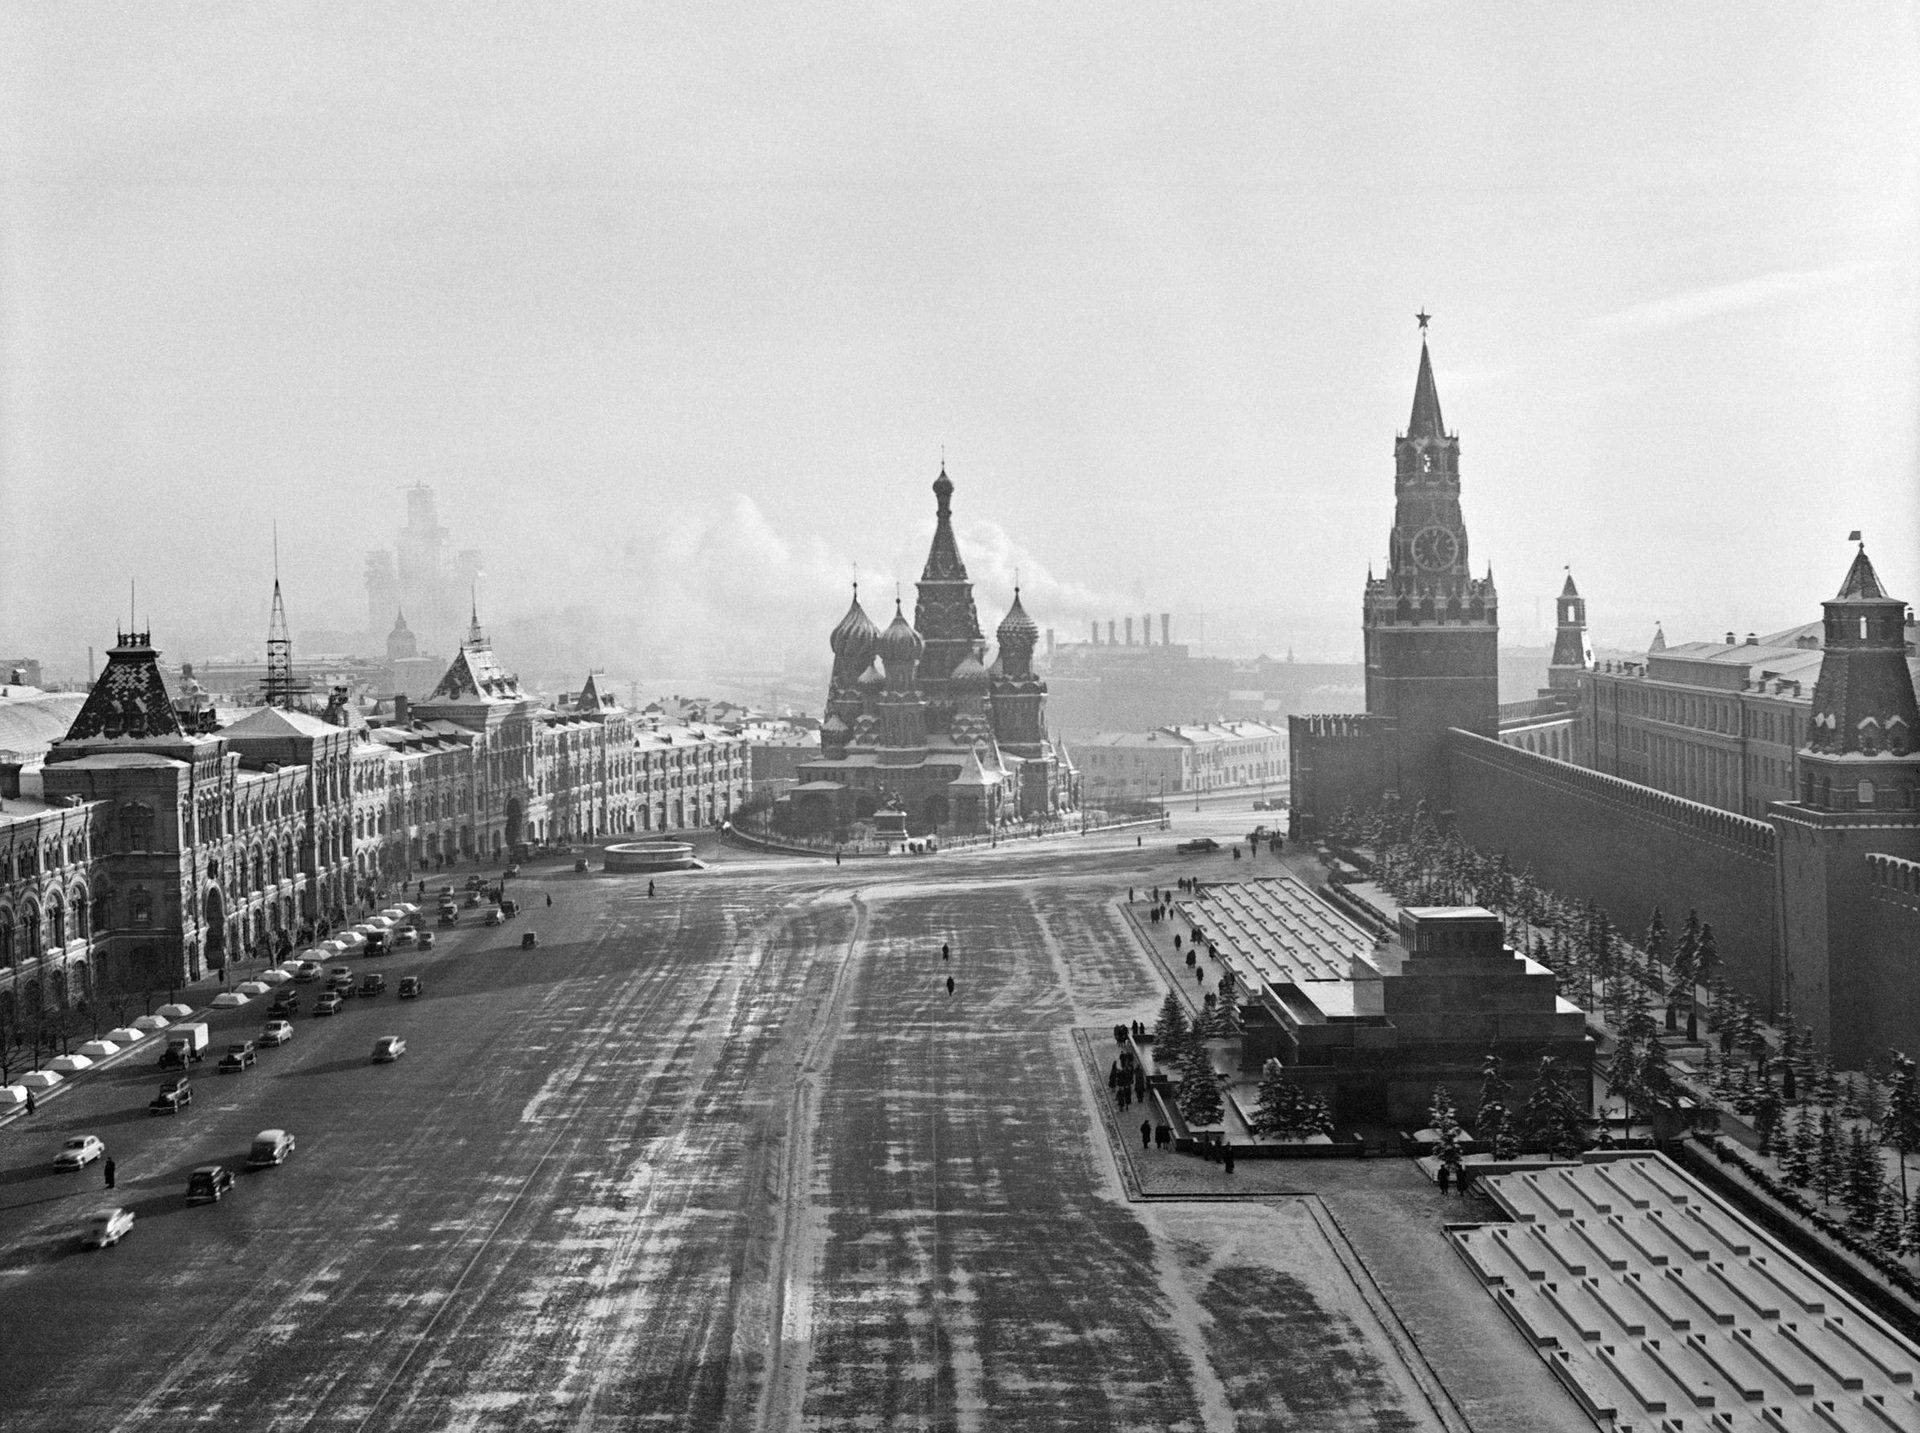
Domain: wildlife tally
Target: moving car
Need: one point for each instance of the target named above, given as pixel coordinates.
(426, 939)
(387, 1049)
(449, 917)
(509, 873)
(175, 1095)
(579, 867)
(239, 1055)
(278, 1032)
(473, 899)
(528, 940)
(270, 1147)
(474, 883)
(207, 1183)
(509, 907)
(286, 1005)
(1198, 844)
(495, 917)
(406, 935)
(327, 1004)
(410, 987)
(79, 1152)
(107, 1228)
(371, 984)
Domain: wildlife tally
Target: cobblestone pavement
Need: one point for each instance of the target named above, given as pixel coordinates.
(732, 1158)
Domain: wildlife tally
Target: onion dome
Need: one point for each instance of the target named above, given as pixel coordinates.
(969, 673)
(833, 726)
(853, 640)
(871, 677)
(900, 643)
(1017, 629)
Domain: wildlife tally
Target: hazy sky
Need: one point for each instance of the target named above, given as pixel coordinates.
(676, 306)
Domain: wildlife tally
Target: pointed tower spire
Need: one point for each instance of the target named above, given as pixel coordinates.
(1572, 652)
(475, 637)
(1425, 422)
(278, 689)
(943, 610)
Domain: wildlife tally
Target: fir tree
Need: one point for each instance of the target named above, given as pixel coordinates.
(1551, 1119)
(1829, 1173)
(1900, 1131)
(1170, 1033)
(1319, 1116)
(1910, 1235)
(1796, 1160)
(1227, 1007)
(1199, 1094)
(1493, 1125)
(1283, 1109)
(1862, 1186)
(1889, 1230)
(1655, 945)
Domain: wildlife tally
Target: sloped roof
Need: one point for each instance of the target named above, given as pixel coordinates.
(476, 677)
(279, 722)
(1862, 583)
(1425, 422)
(32, 723)
(130, 700)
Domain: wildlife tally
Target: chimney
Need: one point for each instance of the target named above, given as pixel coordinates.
(1096, 634)
(1129, 622)
(1752, 641)
(1166, 629)
(1049, 644)
(1110, 641)
(1730, 640)
(402, 709)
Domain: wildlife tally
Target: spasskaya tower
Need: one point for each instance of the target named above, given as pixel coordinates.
(1432, 629)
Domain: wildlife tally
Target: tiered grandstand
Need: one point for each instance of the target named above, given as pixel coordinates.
(1663, 1309)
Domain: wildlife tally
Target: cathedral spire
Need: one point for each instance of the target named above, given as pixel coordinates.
(475, 637)
(1425, 422)
(943, 610)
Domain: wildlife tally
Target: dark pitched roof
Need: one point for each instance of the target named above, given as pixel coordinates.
(1425, 422)
(130, 701)
(1863, 583)
(1569, 590)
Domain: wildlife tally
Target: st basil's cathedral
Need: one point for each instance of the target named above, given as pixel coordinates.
(920, 728)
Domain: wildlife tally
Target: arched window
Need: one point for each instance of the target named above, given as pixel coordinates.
(136, 827)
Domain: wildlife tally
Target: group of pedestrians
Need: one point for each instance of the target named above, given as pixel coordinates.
(946, 955)
(1455, 1176)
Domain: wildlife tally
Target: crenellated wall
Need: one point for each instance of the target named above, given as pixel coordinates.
(1626, 847)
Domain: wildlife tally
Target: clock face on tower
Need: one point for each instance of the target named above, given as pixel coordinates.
(1435, 549)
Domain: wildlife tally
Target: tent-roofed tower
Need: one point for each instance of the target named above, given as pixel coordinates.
(1572, 650)
(943, 610)
(1431, 627)
(279, 689)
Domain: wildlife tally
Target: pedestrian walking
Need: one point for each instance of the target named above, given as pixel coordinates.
(1146, 1134)
(1199, 976)
(1445, 1179)
(1226, 1158)
(1140, 1084)
(946, 951)
(836, 858)
(949, 985)
(1466, 1180)
(108, 1170)
(649, 890)
(549, 898)
(29, 1101)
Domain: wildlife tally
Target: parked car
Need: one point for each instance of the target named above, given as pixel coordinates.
(278, 1032)
(239, 1055)
(387, 1049)
(410, 987)
(106, 1228)
(406, 935)
(448, 917)
(327, 1004)
(509, 873)
(79, 1152)
(285, 1007)
(1198, 844)
(528, 940)
(338, 973)
(208, 1183)
(371, 984)
(270, 1147)
(494, 917)
(426, 940)
(579, 867)
(509, 907)
(473, 899)
(175, 1095)
(306, 970)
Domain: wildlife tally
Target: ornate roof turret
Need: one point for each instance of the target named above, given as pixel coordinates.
(943, 610)
(1017, 628)
(129, 702)
(872, 677)
(970, 674)
(1863, 702)
(900, 645)
(854, 640)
